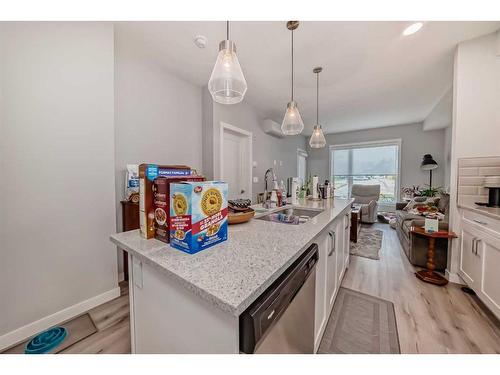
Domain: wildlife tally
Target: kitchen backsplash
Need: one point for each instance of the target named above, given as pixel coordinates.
(471, 173)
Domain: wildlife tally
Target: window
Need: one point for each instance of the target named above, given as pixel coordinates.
(367, 163)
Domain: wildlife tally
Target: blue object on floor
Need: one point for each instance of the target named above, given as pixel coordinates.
(46, 341)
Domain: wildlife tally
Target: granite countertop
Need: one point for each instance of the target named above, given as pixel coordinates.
(231, 275)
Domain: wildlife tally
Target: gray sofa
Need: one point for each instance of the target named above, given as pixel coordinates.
(414, 246)
(367, 197)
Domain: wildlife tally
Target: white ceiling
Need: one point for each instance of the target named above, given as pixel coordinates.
(372, 75)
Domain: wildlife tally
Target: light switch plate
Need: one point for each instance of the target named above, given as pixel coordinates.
(255, 179)
(254, 164)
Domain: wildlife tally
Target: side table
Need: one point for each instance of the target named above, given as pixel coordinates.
(428, 275)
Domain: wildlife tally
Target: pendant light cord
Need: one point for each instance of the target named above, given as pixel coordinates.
(292, 65)
(317, 98)
(227, 30)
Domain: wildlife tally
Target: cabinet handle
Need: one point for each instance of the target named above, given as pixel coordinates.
(473, 247)
(347, 227)
(332, 236)
(477, 242)
(480, 222)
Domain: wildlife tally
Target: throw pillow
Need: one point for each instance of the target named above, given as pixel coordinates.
(444, 202)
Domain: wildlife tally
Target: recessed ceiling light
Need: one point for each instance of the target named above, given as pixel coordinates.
(413, 28)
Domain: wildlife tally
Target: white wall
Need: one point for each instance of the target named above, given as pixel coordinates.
(476, 114)
(57, 161)
(157, 118)
(414, 144)
(266, 148)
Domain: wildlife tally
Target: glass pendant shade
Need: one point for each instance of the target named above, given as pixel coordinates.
(292, 122)
(317, 138)
(227, 85)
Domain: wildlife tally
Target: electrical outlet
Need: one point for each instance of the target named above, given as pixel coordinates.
(255, 179)
(281, 163)
(254, 164)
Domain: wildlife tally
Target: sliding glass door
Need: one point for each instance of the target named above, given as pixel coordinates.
(367, 163)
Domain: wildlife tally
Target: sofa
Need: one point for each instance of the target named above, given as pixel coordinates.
(414, 246)
(366, 196)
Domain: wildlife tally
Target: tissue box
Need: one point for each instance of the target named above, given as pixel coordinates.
(198, 215)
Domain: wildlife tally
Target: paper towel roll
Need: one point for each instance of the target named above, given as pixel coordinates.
(315, 187)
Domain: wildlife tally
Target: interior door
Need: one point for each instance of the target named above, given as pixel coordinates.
(301, 166)
(235, 164)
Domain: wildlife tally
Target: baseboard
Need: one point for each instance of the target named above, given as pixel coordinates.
(121, 277)
(20, 334)
(453, 277)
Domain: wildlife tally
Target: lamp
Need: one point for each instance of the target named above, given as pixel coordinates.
(317, 138)
(292, 122)
(428, 164)
(227, 85)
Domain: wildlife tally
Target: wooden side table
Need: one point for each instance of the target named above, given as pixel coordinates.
(355, 223)
(429, 275)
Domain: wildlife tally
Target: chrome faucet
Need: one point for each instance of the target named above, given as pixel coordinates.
(269, 172)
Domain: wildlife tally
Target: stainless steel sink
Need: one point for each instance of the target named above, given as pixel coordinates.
(304, 213)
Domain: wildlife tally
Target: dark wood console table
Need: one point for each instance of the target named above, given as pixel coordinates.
(428, 275)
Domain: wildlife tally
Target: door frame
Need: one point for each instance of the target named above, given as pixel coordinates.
(303, 153)
(249, 138)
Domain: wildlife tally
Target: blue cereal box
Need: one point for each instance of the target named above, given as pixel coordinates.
(198, 215)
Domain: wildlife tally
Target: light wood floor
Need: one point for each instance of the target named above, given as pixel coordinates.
(430, 319)
(112, 321)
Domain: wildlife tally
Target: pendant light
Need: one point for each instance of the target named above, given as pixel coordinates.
(227, 85)
(317, 138)
(292, 122)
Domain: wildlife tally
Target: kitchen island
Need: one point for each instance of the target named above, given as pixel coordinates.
(182, 303)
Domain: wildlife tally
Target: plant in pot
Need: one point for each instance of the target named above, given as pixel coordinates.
(431, 191)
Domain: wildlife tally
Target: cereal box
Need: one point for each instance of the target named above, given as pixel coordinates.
(161, 203)
(198, 215)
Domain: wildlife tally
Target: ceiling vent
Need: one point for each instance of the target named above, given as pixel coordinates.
(272, 128)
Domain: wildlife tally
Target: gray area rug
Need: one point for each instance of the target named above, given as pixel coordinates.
(369, 243)
(78, 328)
(360, 324)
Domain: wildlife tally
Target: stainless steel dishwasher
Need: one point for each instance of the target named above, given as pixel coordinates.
(281, 320)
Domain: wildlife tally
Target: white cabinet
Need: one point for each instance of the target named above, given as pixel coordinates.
(470, 262)
(480, 261)
(347, 228)
(488, 250)
(331, 265)
(321, 316)
(333, 245)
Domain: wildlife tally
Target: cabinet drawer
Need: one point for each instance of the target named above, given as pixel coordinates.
(483, 221)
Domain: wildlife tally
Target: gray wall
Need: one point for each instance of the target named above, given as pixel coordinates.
(57, 158)
(157, 116)
(266, 148)
(414, 144)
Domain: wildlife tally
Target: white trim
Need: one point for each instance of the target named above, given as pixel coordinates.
(303, 153)
(22, 333)
(249, 136)
(385, 142)
(453, 277)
